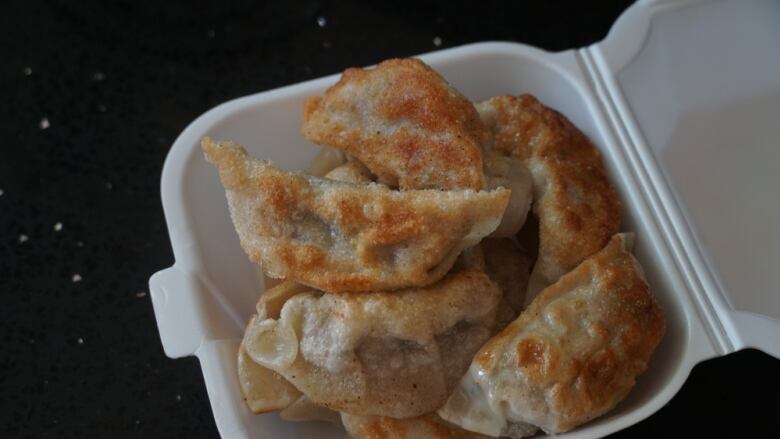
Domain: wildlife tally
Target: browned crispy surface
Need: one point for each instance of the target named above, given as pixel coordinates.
(403, 121)
(342, 237)
(577, 206)
(575, 352)
(429, 426)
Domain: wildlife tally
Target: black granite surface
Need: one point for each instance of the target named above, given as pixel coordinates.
(93, 94)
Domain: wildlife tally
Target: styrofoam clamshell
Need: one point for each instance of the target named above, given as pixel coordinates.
(682, 98)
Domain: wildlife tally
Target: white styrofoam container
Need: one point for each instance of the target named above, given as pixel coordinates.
(682, 98)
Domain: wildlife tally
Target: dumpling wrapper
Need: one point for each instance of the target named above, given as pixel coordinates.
(511, 174)
(429, 426)
(342, 237)
(570, 357)
(405, 123)
(577, 207)
(351, 172)
(303, 409)
(397, 354)
(509, 267)
(325, 161)
(265, 390)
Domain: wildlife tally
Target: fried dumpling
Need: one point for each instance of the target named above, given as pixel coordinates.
(303, 409)
(512, 174)
(405, 123)
(577, 206)
(265, 390)
(509, 267)
(429, 426)
(395, 354)
(342, 237)
(570, 357)
(325, 161)
(351, 172)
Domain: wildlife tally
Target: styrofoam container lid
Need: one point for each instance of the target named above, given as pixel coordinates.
(682, 98)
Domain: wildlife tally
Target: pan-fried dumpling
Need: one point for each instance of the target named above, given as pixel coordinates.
(577, 207)
(570, 357)
(351, 172)
(325, 161)
(429, 426)
(405, 123)
(303, 409)
(512, 174)
(342, 237)
(395, 354)
(509, 267)
(265, 390)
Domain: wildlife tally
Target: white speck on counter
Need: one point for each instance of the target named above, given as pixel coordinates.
(80, 340)
(98, 76)
(436, 41)
(23, 238)
(1, 192)
(212, 33)
(58, 226)
(79, 244)
(27, 71)
(76, 278)
(109, 185)
(178, 397)
(141, 294)
(322, 22)
(44, 123)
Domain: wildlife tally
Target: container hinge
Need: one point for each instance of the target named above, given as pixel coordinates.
(630, 141)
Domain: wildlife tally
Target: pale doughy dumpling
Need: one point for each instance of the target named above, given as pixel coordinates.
(511, 174)
(577, 206)
(325, 161)
(570, 357)
(265, 390)
(303, 409)
(405, 123)
(395, 354)
(351, 172)
(343, 237)
(429, 426)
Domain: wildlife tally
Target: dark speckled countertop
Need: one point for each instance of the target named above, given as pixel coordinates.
(93, 94)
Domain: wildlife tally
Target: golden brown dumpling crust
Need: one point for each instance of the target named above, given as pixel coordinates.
(403, 121)
(429, 426)
(577, 207)
(343, 237)
(571, 356)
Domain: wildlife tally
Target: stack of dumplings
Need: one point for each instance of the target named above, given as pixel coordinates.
(410, 303)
